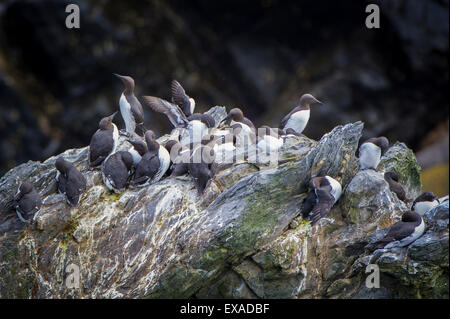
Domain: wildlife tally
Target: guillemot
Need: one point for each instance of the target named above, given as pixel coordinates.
(424, 202)
(130, 107)
(298, 118)
(179, 156)
(403, 232)
(199, 125)
(116, 171)
(154, 164)
(200, 166)
(180, 98)
(370, 152)
(268, 139)
(103, 142)
(325, 192)
(27, 202)
(224, 148)
(137, 150)
(392, 179)
(236, 116)
(71, 182)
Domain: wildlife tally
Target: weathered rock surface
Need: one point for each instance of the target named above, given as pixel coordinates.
(243, 239)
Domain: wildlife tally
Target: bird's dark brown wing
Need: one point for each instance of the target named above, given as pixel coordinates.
(324, 203)
(180, 98)
(172, 111)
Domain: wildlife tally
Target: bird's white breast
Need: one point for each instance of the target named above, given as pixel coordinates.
(298, 121)
(422, 207)
(164, 163)
(336, 188)
(125, 110)
(369, 155)
(115, 138)
(136, 156)
(197, 130)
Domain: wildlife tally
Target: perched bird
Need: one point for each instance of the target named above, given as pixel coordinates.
(403, 232)
(200, 166)
(370, 152)
(325, 192)
(199, 125)
(116, 171)
(180, 98)
(137, 150)
(130, 107)
(103, 142)
(154, 164)
(70, 181)
(27, 202)
(224, 148)
(179, 155)
(269, 140)
(392, 179)
(298, 118)
(235, 116)
(424, 202)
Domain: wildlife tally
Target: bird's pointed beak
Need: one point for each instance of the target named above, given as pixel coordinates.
(112, 115)
(318, 102)
(117, 75)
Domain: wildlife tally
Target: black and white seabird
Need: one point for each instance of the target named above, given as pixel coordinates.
(200, 166)
(392, 179)
(154, 164)
(370, 152)
(138, 149)
(27, 202)
(179, 156)
(71, 182)
(180, 98)
(130, 107)
(298, 118)
(236, 116)
(224, 148)
(199, 126)
(116, 171)
(103, 142)
(268, 139)
(325, 192)
(424, 202)
(403, 232)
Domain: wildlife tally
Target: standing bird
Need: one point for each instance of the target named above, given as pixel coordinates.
(27, 202)
(116, 171)
(130, 107)
(235, 116)
(200, 166)
(137, 150)
(325, 192)
(392, 179)
(370, 152)
(103, 142)
(180, 98)
(154, 164)
(403, 232)
(199, 125)
(424, 203)
(224, 148)
(179, 156)
(269, 140)
(298, 118)
(71, 182)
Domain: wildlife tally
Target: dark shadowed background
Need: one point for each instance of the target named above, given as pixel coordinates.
(56, 83)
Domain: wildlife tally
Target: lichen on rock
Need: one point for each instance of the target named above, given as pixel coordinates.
(244, 238)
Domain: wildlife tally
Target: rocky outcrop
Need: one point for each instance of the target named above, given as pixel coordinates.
(243, 239)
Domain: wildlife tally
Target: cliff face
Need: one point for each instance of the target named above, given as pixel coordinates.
(243, 238)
